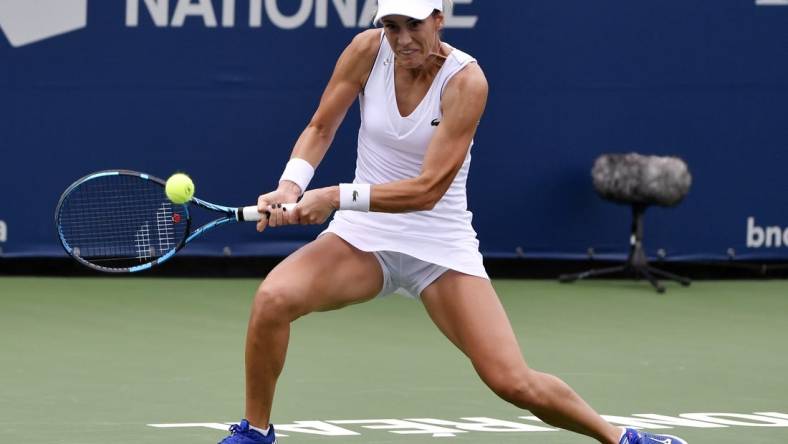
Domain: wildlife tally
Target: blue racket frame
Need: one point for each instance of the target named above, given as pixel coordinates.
(230, 214)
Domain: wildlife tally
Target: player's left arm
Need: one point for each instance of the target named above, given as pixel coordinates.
(462, 104)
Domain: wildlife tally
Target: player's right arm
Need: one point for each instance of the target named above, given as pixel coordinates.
(350, 75)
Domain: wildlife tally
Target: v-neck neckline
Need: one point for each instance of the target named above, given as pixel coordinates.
(432, 84)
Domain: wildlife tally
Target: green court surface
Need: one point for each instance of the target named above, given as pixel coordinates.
(98, 360)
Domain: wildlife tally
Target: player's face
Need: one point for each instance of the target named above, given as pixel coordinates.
(413, 40)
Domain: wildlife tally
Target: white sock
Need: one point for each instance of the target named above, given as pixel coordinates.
(258, 429)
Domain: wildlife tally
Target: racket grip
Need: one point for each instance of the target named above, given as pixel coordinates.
(250, 214)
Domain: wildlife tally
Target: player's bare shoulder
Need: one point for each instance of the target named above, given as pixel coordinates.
(467, 90)
(470, 81)
(358, 58)
(366, 44)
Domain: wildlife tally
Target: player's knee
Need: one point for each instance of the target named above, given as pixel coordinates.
(273, 303)
(520, 388)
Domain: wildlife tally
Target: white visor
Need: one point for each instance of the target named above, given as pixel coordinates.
(418, 9)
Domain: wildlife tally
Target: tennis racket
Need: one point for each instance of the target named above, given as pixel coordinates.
(121, 221)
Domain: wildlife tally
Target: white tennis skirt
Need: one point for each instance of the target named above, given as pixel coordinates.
(456, 250)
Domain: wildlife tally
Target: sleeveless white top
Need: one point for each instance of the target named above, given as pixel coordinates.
(392, 147)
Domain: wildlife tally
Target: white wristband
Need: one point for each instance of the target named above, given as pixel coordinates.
(354, 196)
(299, 171)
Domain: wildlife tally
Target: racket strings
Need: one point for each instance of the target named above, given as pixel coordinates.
(121, 221)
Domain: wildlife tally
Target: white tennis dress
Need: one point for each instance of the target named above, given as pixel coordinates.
(391, 148)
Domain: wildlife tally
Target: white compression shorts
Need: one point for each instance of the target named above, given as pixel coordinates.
(406, 275)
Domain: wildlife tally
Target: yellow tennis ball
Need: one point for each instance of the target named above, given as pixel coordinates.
(179, 188)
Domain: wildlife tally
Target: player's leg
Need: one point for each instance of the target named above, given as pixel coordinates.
(467, 310)
(326, 274)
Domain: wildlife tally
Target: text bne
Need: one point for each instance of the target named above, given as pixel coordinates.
(772, 236)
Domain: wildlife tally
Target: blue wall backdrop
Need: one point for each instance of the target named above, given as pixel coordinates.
(221, 89)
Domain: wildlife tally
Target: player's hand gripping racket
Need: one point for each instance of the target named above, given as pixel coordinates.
(121, 221)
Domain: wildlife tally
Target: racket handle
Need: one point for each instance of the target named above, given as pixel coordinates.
(250, 214)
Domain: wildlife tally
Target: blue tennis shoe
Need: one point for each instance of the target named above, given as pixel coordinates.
(243, 434)
(632, 436)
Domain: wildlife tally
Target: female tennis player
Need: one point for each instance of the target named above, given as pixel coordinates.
(402, 225)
